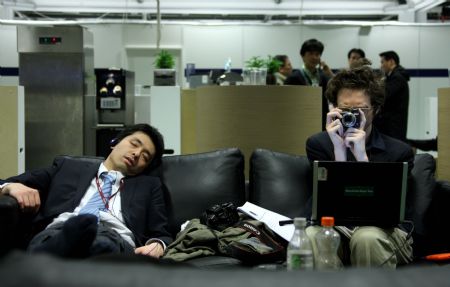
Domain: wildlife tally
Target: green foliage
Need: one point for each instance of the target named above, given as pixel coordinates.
(255, 62)
(272, 65)
(164, 60)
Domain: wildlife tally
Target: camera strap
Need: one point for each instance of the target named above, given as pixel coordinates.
(260, 234)
(267, 250)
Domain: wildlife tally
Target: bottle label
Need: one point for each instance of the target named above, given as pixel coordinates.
(300, 259)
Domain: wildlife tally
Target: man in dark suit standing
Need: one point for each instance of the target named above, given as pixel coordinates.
(393, 117)
(89, 208)
(314, 72)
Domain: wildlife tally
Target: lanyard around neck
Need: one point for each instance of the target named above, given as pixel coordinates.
(102, 195)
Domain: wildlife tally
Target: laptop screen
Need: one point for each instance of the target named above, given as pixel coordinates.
(360, 193)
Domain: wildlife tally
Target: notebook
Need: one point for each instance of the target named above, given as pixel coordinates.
(360, 193)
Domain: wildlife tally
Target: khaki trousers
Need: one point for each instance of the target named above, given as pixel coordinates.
(370, 246)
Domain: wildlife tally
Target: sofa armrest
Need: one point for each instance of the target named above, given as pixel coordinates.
(9, 222)
(421, 192)
(443, 188)
(439, 217)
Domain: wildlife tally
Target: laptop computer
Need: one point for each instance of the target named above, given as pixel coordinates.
(360, 193)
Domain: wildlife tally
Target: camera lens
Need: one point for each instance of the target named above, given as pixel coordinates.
(348, 120)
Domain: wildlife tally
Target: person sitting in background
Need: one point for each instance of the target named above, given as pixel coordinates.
(284, 71)
(314, 71)
(362, 89)
(90, 208)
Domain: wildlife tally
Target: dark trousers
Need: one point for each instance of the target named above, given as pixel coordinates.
(107, 241)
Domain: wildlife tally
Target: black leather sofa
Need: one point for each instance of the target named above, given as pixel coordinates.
(191, 183)
(278, 181)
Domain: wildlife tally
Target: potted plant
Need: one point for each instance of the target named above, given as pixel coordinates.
(255, 71)
(164, 74)
(255, 62)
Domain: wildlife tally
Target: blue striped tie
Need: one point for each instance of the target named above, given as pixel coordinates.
(95, 204)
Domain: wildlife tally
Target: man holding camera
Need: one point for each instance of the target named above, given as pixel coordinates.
(356, 96)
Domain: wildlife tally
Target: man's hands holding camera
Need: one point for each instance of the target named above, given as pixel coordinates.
(345, 132)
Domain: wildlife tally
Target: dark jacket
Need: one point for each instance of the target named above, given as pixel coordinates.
(62, 186)
(392, 120)
(380, 148)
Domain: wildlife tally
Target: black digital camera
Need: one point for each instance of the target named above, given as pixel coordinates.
(350, 119)
(220, 216)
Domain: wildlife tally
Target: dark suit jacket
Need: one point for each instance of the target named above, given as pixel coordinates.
(379, 148)
(392, 120)
(62, 186)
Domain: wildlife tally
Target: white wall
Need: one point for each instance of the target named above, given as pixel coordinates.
(132, 46)
(8, 53)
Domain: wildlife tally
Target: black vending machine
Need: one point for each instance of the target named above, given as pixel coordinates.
(115, 105)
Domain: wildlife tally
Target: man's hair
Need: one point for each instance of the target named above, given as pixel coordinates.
(360, 62)
(391, 55)
(360, 52)
(281, 58)
(153, 134)
(362, 78)
(311, 45)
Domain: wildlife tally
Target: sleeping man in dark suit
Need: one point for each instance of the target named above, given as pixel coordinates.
(90, 209)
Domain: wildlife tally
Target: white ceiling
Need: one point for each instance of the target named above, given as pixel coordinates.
(217, 9)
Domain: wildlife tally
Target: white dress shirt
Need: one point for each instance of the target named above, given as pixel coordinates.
(113, 217)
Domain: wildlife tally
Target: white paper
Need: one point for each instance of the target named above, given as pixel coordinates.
(270, 218)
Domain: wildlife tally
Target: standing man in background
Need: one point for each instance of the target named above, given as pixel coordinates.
(393, 118)
(314, 71)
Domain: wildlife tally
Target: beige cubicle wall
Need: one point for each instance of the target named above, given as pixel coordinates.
(443, 163)
(12, 131)
(279, 118)
(188, 121)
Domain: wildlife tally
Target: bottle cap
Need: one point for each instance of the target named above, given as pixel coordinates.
(327, 221)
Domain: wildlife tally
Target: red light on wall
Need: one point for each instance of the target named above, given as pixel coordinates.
(49, 40)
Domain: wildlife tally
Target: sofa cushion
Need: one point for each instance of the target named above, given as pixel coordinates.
(421, 191)
(195, 182)
(280, 182)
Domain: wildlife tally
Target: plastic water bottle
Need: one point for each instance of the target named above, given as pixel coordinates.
(327, 241)
(299, 251)
(228, 65)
